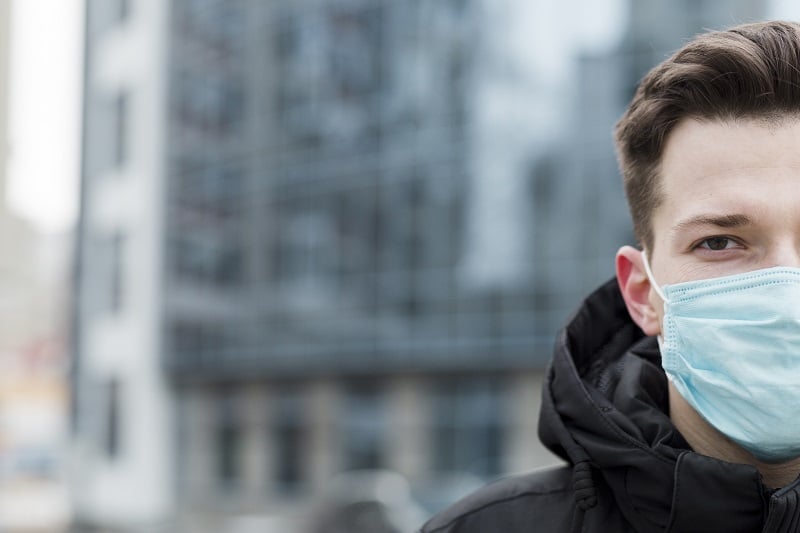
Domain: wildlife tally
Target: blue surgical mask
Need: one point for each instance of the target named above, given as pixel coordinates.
(731, 347)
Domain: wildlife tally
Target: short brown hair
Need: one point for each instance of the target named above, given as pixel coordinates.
(750, 71)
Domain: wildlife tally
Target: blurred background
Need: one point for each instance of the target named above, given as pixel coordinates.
(297, 265)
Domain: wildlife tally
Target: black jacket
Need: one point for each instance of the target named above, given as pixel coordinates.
(605, 411)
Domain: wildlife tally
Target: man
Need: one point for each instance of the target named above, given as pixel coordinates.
(674, 392)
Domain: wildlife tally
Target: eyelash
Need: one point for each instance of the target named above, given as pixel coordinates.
(699, 244)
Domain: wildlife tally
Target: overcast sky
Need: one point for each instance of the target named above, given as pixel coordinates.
(44, 131)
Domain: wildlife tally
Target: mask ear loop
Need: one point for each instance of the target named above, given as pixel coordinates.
(660, 293)
(651, 277)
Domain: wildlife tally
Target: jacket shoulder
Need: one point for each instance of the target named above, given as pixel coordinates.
(542, 500)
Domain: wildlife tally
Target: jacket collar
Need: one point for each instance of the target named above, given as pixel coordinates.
(605, 403)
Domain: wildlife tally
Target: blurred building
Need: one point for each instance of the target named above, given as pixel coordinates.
(33, 387)
(326, 235)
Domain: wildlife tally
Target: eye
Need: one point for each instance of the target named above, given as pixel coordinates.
(718, 243)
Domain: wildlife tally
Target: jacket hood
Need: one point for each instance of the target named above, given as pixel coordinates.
(605, 404)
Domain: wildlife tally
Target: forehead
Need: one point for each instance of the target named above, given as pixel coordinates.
(725, 167)
(696, 148)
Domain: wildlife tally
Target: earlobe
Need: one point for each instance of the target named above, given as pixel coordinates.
(635, 288)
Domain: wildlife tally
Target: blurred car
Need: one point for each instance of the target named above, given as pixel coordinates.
(368, 501)
(441, 489)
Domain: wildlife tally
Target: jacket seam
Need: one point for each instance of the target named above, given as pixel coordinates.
(496, 502)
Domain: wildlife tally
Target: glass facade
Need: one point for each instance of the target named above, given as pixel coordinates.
(323, 182)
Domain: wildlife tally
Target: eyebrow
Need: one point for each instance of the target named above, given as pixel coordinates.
(720, 221)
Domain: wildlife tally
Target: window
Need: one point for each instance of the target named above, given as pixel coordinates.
(109, 264)
(109, 119)
(107, 14)
(289, 435)
(200, 343)
(354, 60)
(364, 427)
(111, 438)
(123, 10)
(210, 261)
(544, 177)
(117, 271)
(229, 438)
(469, 427)
(120, 127)
(211, 102)
(229, 441)
(309, 248)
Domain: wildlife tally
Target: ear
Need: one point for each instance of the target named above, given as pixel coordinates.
(635, 288)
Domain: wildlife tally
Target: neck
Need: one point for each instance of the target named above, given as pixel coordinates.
(705, 439)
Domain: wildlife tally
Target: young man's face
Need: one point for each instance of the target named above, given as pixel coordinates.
(730, 204)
